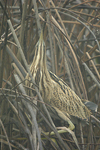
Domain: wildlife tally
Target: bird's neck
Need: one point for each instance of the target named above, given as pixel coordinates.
(38, 67)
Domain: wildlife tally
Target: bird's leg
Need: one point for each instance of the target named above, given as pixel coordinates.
(64, 129)
(65, 118)
(71, 125)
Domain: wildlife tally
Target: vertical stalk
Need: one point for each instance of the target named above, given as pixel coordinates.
(22, 30)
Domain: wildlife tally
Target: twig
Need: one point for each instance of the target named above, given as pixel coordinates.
(37, 17)
(93, 65)
(95, 119)
(5, 134)
(22, 30)
(14, 58)
(91, 74)
(82, 136)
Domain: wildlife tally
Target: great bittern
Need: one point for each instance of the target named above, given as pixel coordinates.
(63, 100)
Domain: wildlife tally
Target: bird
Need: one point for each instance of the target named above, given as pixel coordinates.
(64, 102)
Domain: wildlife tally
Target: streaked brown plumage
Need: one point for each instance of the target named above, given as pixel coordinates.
(54, 90)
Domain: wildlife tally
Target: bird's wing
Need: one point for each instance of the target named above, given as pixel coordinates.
(65, 99)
